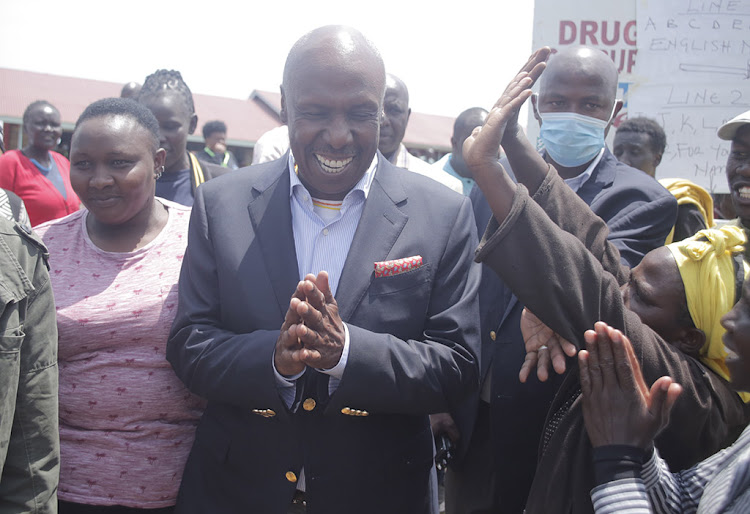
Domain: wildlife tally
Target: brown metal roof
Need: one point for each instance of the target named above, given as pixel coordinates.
(423, 131)
(247, 119)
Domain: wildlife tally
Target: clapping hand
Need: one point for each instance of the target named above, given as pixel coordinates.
(618, 407)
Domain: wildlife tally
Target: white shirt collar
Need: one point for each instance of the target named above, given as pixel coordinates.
(576, 182)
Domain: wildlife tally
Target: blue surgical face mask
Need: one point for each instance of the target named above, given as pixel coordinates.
(572, 139)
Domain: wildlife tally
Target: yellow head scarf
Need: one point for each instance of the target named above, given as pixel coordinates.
(707, 270)
(688, 193)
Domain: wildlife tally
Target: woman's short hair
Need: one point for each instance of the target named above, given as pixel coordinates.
(33, 106)
(122, 107)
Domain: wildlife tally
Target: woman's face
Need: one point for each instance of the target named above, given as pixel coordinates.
(737, 340)
(113, 166)
(656, 294)
(176, 123)
(43, 127)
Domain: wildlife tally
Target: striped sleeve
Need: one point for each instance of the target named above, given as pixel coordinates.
(682, 492)
(625, 496)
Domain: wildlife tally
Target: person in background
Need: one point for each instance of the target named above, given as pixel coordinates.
(453, 162)
(130, 90)
(36, 173)
(396, 113)
(640, 143)
(216, 152)
(126, 421)
(169, 98)
(737, 130)
(29, 443)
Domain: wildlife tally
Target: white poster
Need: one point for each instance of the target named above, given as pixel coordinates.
(692, 75)
(685, 63)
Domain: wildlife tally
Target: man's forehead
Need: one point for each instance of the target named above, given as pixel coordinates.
(743, 135)
(582, 67)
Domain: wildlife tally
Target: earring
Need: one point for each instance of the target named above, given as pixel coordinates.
(161, 170)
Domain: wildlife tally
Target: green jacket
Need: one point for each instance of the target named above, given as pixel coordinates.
(29, 440)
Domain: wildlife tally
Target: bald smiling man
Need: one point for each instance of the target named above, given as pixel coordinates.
(327, 306)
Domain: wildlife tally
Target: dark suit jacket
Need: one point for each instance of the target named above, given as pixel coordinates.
(585, 289)
(414, 340)
(639, 213)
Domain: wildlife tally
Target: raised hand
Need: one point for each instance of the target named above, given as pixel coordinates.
(481, 147)
(543, 347)
(322, 332)
(618, 407)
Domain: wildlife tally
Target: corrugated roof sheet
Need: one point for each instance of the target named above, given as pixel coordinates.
(423, 130)
(247, 119)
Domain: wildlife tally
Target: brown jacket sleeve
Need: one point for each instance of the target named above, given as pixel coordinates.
(563, 282)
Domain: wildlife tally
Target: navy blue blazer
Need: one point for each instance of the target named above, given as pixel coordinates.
(640, 213)
(413, 351)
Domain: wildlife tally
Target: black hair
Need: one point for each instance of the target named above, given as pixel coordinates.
(34, 105)
(212, 127)
(647, 126)
(162, 80)
(122, 107)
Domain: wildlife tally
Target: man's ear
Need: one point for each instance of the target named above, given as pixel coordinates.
(282, 112)
(193, 123)
(617, 109)
(408, 115)
(657, 159)
(691, 342)
(535, 110)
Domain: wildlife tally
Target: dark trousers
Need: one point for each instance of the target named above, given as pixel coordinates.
(473, 489)
(80, 508)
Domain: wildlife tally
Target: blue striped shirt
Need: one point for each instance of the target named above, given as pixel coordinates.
(720, 483)
(322, 245)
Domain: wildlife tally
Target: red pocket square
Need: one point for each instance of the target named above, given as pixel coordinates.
(389, 268)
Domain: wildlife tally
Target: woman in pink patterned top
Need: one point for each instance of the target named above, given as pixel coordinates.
(126, 421)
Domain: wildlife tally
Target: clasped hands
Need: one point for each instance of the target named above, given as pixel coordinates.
(312, 333)
(618, 407)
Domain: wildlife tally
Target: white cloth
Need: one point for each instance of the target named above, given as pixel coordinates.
(403, 159)
(271, 145)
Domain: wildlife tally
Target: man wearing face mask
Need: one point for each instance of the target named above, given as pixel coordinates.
(498, 435)
(575, 108)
